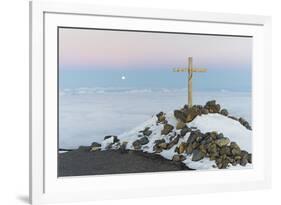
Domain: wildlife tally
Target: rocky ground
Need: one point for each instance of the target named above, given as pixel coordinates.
(83, 162)
(166, 142)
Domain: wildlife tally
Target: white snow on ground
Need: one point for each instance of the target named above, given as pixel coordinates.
(205, 123)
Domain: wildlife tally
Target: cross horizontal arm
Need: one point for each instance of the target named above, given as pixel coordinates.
(180, 69)
(199, 70)
(193, 70)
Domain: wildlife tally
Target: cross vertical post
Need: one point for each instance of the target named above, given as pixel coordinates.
(189, 96)
(190, 71)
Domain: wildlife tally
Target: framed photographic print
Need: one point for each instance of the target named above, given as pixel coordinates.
(147, 102)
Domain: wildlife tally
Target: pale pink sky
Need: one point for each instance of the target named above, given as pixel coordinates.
(121, 49)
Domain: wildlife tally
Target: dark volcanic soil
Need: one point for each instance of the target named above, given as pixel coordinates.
(81, 162)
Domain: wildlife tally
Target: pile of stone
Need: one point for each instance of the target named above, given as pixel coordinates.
(211, 145)
(187, 114)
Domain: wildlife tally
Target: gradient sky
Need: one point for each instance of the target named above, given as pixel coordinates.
(99, 58)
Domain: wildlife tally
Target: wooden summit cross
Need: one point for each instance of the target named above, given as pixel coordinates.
(190, 70)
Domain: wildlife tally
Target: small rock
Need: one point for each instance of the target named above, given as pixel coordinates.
(222, 142)
(250, 158)
(95, 144)
(197, 155)
(195, 144)
(182, 148)
(192, 137)
(180, 125)
(163, 145)
(232, 117)
(162, 118)
(189, 149)
(173, 142)
(212, 107)
(143, 140)
(203, 149)
(191, 114)
(147, 132)
(184, 131)
(115, 138)
(157, 149)
(93, 149)
(236, 151)
(234, 145)
(178, 158)
(204, 111)
(211, 102)
(213, 135)
(220, 136)
(123, 147)
(243, 162)
(137, 144)
(224, 112)
(167, 129)
(159, 141)
(225, 150)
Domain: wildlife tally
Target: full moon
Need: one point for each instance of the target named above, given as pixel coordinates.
(123, 77)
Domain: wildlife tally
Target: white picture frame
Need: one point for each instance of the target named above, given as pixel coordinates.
(46, 187)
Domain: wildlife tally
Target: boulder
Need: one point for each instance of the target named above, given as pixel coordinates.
(224, 112)
(222, 142)
(167, 129)
(184, 131)
(197, 155)
(180, 125)
(180, 115)
(178, 158)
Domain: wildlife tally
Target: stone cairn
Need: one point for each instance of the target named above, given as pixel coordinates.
(212, 145)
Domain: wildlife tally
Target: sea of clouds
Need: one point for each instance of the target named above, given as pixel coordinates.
(88, 114)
